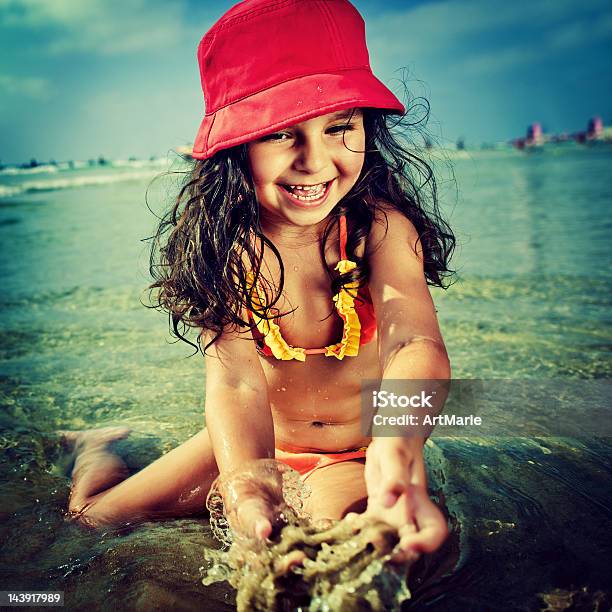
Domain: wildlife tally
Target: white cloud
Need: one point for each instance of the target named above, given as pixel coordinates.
(503, 59)
(579, 33)
(104, 27)
(31, 87)
(449, 31)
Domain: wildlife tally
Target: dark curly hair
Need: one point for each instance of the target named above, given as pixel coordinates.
(211, 238)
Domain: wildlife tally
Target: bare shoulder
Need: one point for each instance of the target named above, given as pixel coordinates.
(232, 360)
(398, 286)
(392, 236)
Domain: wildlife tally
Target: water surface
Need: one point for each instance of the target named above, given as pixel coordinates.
(530, 517)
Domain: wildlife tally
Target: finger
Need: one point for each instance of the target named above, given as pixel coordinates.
(263, 528)
(355, 520)
(404, 556)
(432, 529)
(408, 529)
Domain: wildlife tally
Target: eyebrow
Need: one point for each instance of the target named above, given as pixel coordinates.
(344, 114)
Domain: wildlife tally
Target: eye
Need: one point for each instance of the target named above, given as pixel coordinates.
(341, 129)
(276, 137)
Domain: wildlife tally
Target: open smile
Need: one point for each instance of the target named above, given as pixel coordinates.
(307, 196)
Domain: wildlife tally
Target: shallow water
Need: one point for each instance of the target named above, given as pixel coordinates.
(530, 517)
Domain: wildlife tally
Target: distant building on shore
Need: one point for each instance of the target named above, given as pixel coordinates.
(595, 128)
(534, 137)
(595, 132)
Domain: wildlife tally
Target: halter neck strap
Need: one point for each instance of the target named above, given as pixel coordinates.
(343, 236)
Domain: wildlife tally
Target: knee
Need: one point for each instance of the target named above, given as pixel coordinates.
(334, 508)
(335, 502)
(336, 491)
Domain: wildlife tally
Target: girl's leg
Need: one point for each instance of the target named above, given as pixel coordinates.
(174, 485)
(337, 490)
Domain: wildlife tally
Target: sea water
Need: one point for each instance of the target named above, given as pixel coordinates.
(529, 516)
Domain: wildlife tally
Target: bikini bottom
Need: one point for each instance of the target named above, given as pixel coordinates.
(307, 463)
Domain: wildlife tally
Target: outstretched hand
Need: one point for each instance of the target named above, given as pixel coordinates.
(254, 507)
(397, 494)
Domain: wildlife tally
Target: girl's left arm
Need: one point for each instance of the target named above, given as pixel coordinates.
(410, 348)
(409, 339)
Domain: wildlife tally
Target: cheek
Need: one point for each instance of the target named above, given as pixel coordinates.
(352, 164)
(264, 176)
(354, 154)
(259, 165)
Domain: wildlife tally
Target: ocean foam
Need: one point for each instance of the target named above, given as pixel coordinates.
(7, 191)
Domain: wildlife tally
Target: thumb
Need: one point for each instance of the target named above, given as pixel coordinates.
(253, 519)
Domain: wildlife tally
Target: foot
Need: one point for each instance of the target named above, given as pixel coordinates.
(85, 447)
(77, 441)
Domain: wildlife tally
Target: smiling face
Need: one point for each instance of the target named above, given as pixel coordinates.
(303, 171)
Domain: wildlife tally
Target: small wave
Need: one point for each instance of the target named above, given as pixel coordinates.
(43, 169)
(68, 166)
(7, 191)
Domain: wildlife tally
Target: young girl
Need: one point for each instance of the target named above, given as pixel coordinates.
(301, 226)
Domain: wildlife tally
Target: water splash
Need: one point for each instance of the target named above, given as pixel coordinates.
(326, 565)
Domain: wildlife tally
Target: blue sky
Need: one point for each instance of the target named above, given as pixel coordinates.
(82, 78)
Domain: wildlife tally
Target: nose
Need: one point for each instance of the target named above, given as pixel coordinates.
(312, 156)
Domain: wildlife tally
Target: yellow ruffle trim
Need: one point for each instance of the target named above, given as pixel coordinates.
(345, 305)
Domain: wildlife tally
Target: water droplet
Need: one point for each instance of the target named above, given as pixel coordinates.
(296, 268)
(283, 388)
(319, 89)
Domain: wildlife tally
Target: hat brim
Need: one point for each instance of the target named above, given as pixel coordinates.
(288, 103)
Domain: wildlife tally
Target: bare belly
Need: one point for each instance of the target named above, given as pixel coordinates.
(316, 405)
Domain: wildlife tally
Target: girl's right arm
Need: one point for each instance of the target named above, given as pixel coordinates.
(237, 409)
(241, 430)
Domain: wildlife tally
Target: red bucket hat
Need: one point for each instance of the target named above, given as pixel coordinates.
(267, 64)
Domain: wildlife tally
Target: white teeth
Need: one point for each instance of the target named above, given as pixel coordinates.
(307, 193)
(307, 198)
(318, 187)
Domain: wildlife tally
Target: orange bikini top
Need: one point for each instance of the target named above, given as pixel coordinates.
(356, 312)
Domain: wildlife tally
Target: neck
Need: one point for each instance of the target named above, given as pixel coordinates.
(288, 236)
